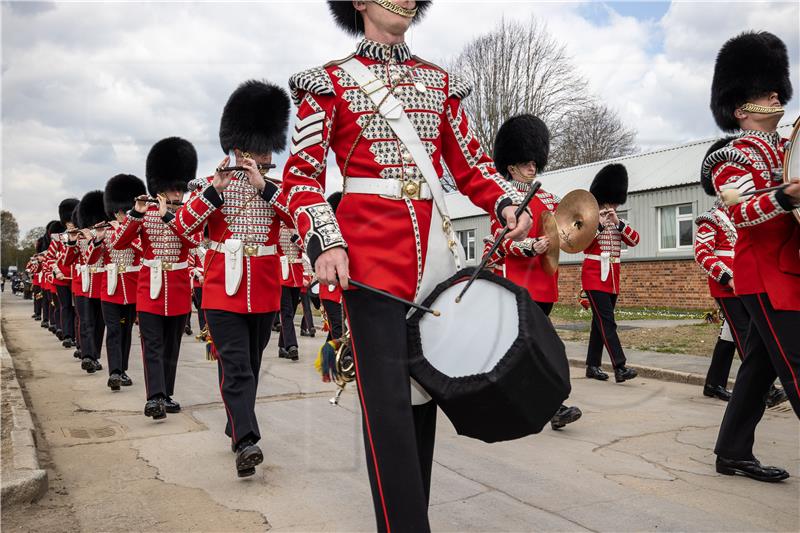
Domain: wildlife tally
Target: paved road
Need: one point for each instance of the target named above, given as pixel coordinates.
(640, 459)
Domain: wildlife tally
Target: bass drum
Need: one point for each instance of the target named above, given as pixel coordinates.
(493, 362)
(791, 164)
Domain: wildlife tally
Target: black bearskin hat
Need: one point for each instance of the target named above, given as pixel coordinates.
(91, 210)
(65, 209)
(54, 226)
(750, 65)
(74, 216)
(120, 192)
(521, 139)
(255, 119)
(610, 185)
(334, 199)
(41, 244)
(171, 165)
(705, 170)
(349, 19)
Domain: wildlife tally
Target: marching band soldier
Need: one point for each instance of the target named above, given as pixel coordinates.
(521, 149)
(119, 285)
(307, 328)
(34, 269)
(388, 203)
(75, 260)
(600, 273)
(766, 265)
(241, 293)
(162, 299)
(91, 211)
(291, 256)
(63, 276)
(53, 233)
(197, 277)
(713, 251)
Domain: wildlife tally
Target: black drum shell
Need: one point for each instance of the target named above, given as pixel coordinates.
(517, 397)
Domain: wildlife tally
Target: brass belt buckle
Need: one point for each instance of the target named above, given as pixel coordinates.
(411, 189)
(250, 249)
(166, 266)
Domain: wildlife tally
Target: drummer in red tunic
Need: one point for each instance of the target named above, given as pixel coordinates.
(163, 299)
(766, 264)
(521, 149)
(380, 234)
(600, 273)
(292, 272)
(241, 291)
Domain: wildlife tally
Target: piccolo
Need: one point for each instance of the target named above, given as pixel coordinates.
(244, 169)
(150, 200)
(101, 225)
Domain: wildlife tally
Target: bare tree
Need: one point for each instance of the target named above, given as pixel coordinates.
(593, 133)
(9, 239)
(518, 68)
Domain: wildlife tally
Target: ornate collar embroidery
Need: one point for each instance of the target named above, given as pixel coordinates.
(384, 53)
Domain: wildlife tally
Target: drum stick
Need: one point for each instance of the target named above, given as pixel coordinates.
(733, 196)
(390, 296)
(528, 197)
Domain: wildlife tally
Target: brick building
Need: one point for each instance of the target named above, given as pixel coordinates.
(664, 198)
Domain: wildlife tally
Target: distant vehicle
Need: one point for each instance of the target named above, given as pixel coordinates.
(11, 271)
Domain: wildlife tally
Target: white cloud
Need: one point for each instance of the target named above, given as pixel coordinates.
(89, 87)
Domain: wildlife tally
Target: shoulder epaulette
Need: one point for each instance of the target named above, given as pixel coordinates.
(314, 80)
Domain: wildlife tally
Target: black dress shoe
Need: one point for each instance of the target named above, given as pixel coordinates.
(125, 380)
(36, 317)
(276, 327)
(624, 373)
(52, 329)
(595, 372)
(248, 456)
(283, 353)
(60, 334)
(775, 396)
(752, 469)
(77, 354)
(172, 406)
(188, 330)
(45, 324)
(294, 355)
(155, 408)
(565, 415)
(97, 365)
(114, 381)
(716, 391)
(68, 343)
(87, 363)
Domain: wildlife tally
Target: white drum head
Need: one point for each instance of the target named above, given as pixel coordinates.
(315, 289)
(472, 336)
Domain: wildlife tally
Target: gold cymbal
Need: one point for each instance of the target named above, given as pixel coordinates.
(549, 229)
(577, 217)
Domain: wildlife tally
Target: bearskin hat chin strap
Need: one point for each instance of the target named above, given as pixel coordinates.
(762, 109)
(388, 5)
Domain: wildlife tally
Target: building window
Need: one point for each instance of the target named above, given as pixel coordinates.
(467, 238)
(675, 226)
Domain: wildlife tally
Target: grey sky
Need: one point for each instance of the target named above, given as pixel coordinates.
(87, 88)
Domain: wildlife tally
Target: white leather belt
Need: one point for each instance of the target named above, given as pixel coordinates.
(122, 269)
(165, 265)
(390, 188)
(95, 270)
(598, 258)
(723, 253)
(252, 250)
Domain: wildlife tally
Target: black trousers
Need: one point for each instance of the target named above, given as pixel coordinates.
(53, 310)
(546, 307)
(119, 328)
(737, 318)
(92, 326)
(772, 348)
(604, 330)
(398, 438)
(308, 317)
(38, 298)
(67, 311)
(161, 345)
(333, 310)
(197, 300)
(240, 340)
(290, 297)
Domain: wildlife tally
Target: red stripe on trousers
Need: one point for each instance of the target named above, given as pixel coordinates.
(780, 348)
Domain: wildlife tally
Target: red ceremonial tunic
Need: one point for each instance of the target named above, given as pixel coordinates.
(713, 250)
(609, 239)
(76, 259)
(196, 258)
(162, 241)
(766, 253)
(128, 261)
(386, 237)
(242, 213)
(32, 267)
(332, 293)
(292, 256)
(54, 258)
(522, 265)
